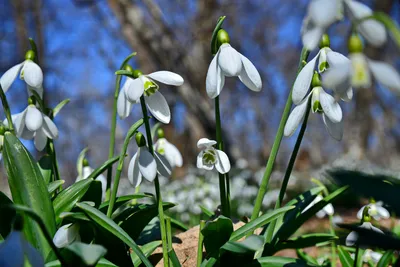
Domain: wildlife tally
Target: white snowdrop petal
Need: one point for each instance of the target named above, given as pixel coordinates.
(40, 140)
(214, 78)
(384, 213)
(311, 37)
(147, 164)
(303, 81)
(205, 142)
(173, 155)
(373, 31)
(222, 165)
(351, 239)
(199, 161)
(329, 209)
(334, 129)
(295, 117)
(323, 12)
(33, 118)
(167, 77)
(123, 105)
(134, 175)
(229, 60)
(158, 106)
(249, 75)
(163, 166)
(335, 58)
(320, 214)
(360, 212)
(338, 78)
(9, 77)
(385, 74)
(376, 256)
(33, 74)
(64, 236)
(330, 107)
(134, 89)
(49, 128)
(12, 246)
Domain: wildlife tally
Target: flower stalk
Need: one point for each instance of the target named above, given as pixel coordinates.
(6, 109)
(156, 184)
(276, 144)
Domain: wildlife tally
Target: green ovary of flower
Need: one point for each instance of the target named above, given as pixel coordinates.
(209, 157)
(150, 88)
(161, 150)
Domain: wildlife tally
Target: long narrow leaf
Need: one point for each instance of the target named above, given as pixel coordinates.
(147, 249)
(345, 257)
(106, 223)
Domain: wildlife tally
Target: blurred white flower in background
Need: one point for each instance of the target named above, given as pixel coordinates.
(169, 151)
(87, 171)
(326, 210)
(376, 210)
(352, 238)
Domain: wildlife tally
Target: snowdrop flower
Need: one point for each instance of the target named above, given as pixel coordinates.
(66, 235)
(358, 70)
(143, 164)
(321, 14)
(87, 171)
(352, 238)
(146, 85)
(210, 157)
(168, 150)
(373, 256)
(15, 250)
(28, 71)
(321, 102)
(32, 123)
(325, 58)
(376, 210)
(230, 63)
(327, 210)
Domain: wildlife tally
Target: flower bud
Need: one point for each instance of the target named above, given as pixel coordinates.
(355, 44)
(223, 37)
(137, 73)
(160, 133)
(140, 140)
(316, 80)
(128, 68)
(30, 55)
(325, 41)
(85, 163)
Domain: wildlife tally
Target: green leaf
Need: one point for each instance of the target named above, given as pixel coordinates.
(259, 222)
(344, 257)
(89, 254)
(216, 233)
(214, 41)
(138, 217)
(101, 263)
(292, 226)
(53, 186)
(147, 249)
(304, 256)
(109, 225)
(67, 198)
(174, 259)
(274, 261)
(28, 188)
(79, 162)
(74, 216)
(209, 262)
(96, 172)
(46, 168)
(178, 224)
(7, 215)
(60, 105)
(386, 259)
(94, 193)
(250, 244)
(206, 211)
(122, 200)
(304, 241)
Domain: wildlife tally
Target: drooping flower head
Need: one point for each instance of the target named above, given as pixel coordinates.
(327, 210)
(209, 157)
(228, 62)
(87, 171)
(28, 71)
(359, 70)
(66, 235)
(144, 164)
(168, 150)
(141, 84)
(376, 210)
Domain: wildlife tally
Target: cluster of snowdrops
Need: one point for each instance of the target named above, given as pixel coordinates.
(88, 224)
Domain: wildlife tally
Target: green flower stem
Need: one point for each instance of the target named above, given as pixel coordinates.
(39, 221)
(6, 109)
(276, 145)
(200, 244)
(292, 160)
(169, 235)
(156, 184)
(356, 256)
(333, 245)
(223, 179)
(128, 137)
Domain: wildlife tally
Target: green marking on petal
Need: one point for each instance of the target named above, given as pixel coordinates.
(209, 156)
(150, 88)
(323, 66)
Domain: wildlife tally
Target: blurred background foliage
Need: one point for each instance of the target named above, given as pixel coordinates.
(82, 43)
